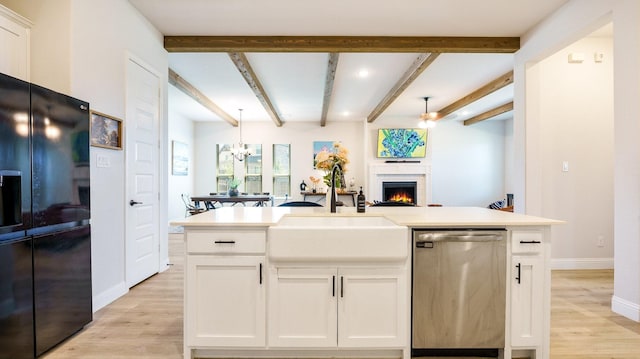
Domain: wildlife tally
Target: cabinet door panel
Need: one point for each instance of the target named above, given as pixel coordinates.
(372, 307)
(302, 307)
(225, 301)
(14, 46)
(527, 279)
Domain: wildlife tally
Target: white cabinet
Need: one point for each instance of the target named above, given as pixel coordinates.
(527, 289)
(526, 301)
(14, 44)
(372, 308)
(302, 307)
(226, 303)
(347, 307)
(225, 296)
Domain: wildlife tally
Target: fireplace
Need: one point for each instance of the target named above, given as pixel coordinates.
(399, 191)
(418, 173)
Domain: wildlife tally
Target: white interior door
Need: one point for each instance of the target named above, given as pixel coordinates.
(142, 134)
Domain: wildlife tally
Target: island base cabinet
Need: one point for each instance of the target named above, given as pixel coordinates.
(302, 307)
(337, 307)
(372, 308)
(527, 286)
(225, 301)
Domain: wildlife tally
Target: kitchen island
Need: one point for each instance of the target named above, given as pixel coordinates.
(301, 282)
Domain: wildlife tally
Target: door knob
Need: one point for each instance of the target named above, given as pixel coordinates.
(133, 203)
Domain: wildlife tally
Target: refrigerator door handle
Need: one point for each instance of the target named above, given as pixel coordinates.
(133, 203)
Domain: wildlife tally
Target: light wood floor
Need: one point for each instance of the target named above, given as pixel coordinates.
(147, 322)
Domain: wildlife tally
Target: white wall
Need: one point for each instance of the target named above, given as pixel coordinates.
(468, 162)
(575, 20)
(180, 129)
(576, 121)
(299, 134)
(80, 47)
(509, 156)
(105, 34)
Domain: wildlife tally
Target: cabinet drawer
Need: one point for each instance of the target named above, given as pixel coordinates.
(226, 242)
(526, 241)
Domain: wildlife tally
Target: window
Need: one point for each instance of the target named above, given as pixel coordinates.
(253, 170)
(225, 167)
(281, 170)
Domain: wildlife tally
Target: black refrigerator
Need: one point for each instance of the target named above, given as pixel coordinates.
(45, 233)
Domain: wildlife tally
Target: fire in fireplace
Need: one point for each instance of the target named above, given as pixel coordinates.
(399, 191)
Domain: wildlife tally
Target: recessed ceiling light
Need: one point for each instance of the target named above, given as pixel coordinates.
(346, 113)
(363, 73)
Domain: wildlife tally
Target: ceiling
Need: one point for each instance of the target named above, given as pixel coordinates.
(295, 81)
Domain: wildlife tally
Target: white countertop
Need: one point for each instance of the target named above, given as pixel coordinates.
(406, 216)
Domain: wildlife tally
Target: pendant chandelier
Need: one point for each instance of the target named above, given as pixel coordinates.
(427, 119)
(241, 151)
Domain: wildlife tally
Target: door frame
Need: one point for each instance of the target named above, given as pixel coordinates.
(163, 247)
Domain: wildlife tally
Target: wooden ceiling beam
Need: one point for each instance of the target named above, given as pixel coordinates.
(191, 91)
(417, 67)
(492, 86)
(332, 64)
(418, 44)
(243, 65)
(489, 114)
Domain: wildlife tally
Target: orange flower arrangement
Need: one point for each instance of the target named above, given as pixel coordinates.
(325, 160)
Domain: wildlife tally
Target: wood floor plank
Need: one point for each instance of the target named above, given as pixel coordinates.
(144, 323)
(582, 323)
(147, 321)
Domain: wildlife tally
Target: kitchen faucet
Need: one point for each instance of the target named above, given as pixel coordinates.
(333, 186)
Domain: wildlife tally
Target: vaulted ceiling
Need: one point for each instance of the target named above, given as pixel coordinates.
(330, 61)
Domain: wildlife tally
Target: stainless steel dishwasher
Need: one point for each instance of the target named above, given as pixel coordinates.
(458, 295)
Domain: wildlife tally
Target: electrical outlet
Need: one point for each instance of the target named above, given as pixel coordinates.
(600, 241)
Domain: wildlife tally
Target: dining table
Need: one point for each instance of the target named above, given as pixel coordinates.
(258, 200)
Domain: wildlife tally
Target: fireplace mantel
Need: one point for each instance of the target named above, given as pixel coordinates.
(383, 172)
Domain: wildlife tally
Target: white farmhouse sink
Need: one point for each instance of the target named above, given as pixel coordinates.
(337, 238)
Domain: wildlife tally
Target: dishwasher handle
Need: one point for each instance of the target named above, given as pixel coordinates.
(458, 237)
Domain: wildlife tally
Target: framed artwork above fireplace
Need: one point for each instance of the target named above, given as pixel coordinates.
(402, 143)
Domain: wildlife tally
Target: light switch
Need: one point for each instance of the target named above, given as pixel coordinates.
(565, 166)
(103, 161)
(598, 56)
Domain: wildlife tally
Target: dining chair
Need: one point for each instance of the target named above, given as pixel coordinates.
(190, 208)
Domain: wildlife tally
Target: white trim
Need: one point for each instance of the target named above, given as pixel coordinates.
(15, 17)
(105, 298)
(581, 263)
(162, 236)
(295, 353)
(625, 308)
(418, 172)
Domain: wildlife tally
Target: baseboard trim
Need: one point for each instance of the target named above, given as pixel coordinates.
(108, 296)
(582, 263)
(625, 308)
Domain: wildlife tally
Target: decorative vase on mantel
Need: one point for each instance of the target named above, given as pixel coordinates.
(233, 192)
